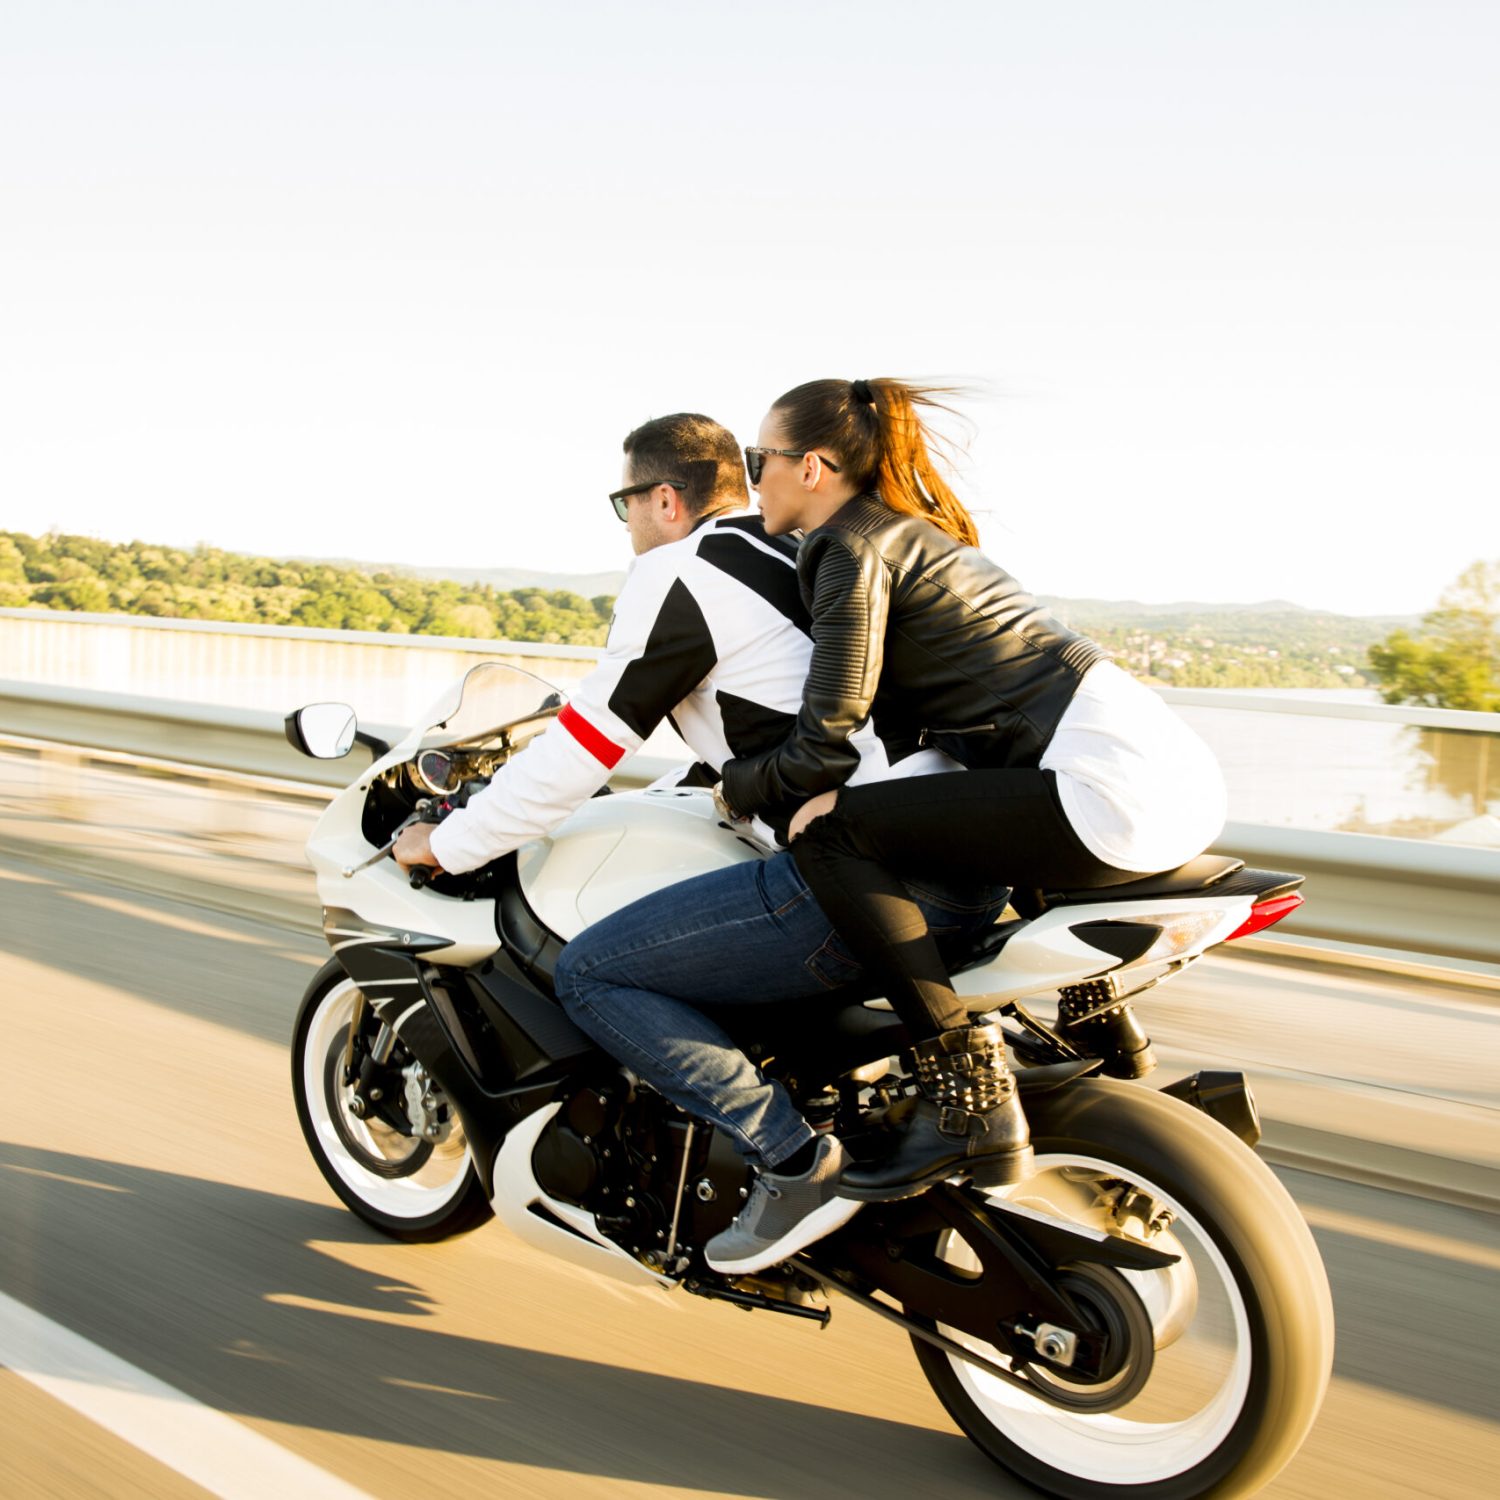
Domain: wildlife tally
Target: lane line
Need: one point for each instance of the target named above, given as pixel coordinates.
(222, 1455)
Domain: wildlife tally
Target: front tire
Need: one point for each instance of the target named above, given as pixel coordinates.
(1243, 1326)
(408, 1189)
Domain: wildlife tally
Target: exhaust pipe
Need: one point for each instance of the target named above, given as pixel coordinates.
(1224, 1097)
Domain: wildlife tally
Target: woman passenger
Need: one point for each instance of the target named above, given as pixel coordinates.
(1078, 776)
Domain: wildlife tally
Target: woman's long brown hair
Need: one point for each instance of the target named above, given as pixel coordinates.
(882, 442)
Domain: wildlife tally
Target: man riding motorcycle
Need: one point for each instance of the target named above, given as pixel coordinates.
(710, 631)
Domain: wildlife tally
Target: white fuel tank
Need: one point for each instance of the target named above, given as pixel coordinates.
(616, 849)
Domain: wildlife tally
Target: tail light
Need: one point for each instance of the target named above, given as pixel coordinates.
(1264, 913)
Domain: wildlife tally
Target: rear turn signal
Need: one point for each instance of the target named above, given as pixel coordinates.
(1264, 913)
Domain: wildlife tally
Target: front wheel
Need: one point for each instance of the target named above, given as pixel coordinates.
(1241, 1328)
(403, 1184)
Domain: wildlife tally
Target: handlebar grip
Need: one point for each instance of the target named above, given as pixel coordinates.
(420, 875)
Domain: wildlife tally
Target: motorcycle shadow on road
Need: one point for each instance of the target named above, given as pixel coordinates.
(222, 1292)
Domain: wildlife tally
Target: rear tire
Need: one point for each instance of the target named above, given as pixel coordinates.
(409, 1190)
(1272, 1337)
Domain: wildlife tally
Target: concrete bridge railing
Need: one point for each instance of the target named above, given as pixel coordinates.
(1413, 894)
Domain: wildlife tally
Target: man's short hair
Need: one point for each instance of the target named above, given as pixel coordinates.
(694, 449)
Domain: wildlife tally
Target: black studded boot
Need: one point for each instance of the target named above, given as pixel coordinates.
(969, 1121)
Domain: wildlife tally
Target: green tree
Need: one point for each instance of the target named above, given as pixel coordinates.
(86, 594)
(12, 562)
(472, 620)
(59, 571)
(1454, 659)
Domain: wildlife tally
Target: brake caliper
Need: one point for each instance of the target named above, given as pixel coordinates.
(430, 1117)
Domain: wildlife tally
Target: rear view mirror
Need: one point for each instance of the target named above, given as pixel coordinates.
(324, 731)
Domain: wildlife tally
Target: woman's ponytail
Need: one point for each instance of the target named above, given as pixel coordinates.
(906, 476)
(876, 429)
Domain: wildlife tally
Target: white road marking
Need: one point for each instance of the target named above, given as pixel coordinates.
(223, 1456)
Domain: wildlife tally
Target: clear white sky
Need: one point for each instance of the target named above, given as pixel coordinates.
(392, 280)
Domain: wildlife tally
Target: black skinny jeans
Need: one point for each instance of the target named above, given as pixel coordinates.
(1004, 827)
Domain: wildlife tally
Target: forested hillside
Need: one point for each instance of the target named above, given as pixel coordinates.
(1270, 645)
(78, 572)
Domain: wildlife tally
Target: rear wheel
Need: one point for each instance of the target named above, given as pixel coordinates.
(1240, 1330)
(405, 1185)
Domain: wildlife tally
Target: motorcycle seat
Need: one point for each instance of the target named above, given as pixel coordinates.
(962, 953)
(1195, 878)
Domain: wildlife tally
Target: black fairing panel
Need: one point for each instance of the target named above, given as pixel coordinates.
(532, 947)
(1122, 940)
(534, 1032)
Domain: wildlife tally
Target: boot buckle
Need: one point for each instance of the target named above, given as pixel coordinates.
(954, 1122)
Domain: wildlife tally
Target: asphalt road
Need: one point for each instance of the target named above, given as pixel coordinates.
(156, 1198)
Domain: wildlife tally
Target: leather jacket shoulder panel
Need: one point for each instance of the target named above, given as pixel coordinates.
(846, 586)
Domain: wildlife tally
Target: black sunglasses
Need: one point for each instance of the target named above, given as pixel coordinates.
(755, 460)
(620, 499)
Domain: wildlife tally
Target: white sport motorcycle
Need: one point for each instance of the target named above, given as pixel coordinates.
(1145, 1315)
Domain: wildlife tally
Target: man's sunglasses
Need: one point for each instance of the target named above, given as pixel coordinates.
(755, 460)
(620, 499)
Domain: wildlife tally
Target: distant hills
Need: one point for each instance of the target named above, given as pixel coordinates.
(1270, 644)
(1083, 610)
(502, 580)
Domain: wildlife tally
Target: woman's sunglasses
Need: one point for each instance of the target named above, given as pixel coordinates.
(620, 499)
(755, 460)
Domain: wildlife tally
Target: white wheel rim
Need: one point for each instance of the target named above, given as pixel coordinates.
(429, 1190)
(1116, 1448)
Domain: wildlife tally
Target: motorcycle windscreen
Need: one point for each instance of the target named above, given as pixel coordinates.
(492, 702)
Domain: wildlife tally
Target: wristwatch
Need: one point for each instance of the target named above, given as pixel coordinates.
(723, 808)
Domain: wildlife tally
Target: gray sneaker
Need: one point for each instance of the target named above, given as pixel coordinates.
(784, 1215)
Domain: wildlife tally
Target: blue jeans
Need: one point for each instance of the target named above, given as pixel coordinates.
(644, 981)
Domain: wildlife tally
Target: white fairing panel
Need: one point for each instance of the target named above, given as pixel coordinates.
(561, 1229)
(1046, 954)
(382, 895)
(614, 850)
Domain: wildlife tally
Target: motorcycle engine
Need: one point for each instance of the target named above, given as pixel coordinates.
(568, 1160)
(619, 1153)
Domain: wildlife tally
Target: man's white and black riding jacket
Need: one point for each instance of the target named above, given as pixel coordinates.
(709, 632)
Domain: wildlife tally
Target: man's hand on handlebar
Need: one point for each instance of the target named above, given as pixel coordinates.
(414, 848)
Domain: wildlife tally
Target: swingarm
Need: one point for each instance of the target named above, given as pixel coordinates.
(1015, 1300)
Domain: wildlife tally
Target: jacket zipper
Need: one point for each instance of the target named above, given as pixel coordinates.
(977, 729)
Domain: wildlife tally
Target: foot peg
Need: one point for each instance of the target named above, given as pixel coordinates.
(1095, 1021)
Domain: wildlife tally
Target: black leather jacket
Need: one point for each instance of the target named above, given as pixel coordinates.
(939, 644)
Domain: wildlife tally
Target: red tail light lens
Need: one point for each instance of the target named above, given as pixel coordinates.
(1264, 913)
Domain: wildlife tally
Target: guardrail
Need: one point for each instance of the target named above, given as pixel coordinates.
(1407, 894)
(246, 741)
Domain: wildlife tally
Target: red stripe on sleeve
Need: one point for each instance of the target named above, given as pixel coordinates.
(606, 752)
